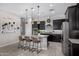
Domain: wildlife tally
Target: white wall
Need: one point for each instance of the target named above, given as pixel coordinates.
(9, 37)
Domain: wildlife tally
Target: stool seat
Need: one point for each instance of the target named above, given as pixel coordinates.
(38, 41)
(28, 40)
(23, 39)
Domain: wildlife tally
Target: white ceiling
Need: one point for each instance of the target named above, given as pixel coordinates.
(18, 9)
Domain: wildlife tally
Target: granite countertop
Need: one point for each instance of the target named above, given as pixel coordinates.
(41, 36)
(75, 41)
(46, 33)
(51, 32)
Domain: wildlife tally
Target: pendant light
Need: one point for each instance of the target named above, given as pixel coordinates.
(32, 15)
(26, 16)
(38, 22)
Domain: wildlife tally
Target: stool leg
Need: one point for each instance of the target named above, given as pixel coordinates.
(37, 48)
(32, 47)
(40, 46)
(26, 44)
(29, 46)
(19, 44)
(23, 45)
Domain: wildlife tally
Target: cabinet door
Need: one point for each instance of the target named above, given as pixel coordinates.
(42, 25)
(35, 25)
(77, 18)
(72, 18)
(74, 22)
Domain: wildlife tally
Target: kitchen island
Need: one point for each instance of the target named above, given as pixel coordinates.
(44, 42)
(43, 39)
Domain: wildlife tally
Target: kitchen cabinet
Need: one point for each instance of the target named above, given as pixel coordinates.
(57, 24)
(36, 27)
(71, 31)
(74, 47)
(42, 25)
(73, 17)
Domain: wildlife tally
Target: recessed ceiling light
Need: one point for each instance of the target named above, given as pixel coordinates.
(51, 5)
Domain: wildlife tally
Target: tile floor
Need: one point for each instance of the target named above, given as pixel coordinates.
(54, 49)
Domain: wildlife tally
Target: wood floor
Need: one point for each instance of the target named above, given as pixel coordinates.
(54, 49)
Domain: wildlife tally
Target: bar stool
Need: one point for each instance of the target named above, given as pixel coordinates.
(21, 42)
(37, 42)
(28, 42)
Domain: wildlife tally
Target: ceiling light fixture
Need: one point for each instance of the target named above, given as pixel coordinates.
(32, 9)
(26, 17)
(51, 5)
(52, 11)
(51, 8)
(38, 14)
(26, 13)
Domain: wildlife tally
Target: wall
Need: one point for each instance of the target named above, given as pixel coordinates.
(28, 27)
(9, 37)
